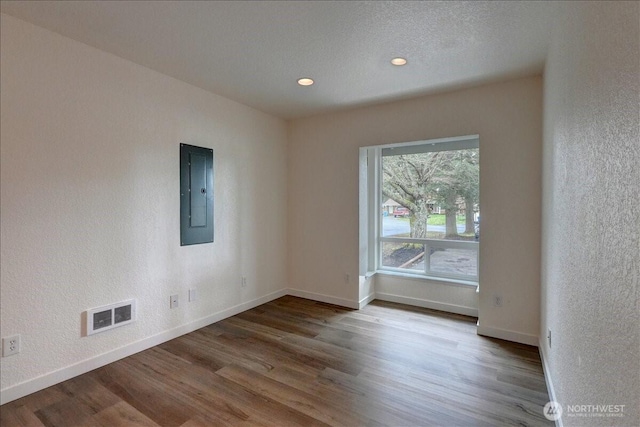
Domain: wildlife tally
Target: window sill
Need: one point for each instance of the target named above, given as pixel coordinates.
(444, 280)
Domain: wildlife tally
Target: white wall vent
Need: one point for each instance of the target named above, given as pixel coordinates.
(110, 316)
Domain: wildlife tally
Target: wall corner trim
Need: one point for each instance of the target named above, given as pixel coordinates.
(425, 303)
(366, 300)
(507, 335)
(547, 376)
(343, 302)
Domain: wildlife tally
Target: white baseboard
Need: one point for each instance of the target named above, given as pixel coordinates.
(507, 335)
(31, 386)
(366, 300)
(434, 305)
(323, 298)
(547, 376)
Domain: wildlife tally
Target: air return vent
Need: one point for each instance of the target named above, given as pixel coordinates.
(111, 316)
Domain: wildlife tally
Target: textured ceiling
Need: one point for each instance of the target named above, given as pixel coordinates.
(253, 52)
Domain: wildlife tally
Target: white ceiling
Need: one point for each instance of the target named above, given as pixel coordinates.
(253, 52)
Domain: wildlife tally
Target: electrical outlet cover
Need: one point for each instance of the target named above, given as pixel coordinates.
(10, 345)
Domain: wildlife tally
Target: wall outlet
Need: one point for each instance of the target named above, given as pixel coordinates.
(549, 337)
(174, 301)
(497, 300)
(192, 295)
(243, 283)
(347, 277)
(10, 345)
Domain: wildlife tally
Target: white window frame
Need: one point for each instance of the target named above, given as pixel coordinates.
(373, 156)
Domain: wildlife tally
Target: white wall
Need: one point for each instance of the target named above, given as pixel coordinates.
(323, 197)
(591, 216)
(90, 202)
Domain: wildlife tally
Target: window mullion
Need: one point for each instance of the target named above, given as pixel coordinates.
(374, 190)
(427, 259)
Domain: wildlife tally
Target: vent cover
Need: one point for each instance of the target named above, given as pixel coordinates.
(111, 316)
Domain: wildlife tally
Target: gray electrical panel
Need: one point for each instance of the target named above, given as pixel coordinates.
(196, 195)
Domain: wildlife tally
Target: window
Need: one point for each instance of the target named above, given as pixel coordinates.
(423, 207)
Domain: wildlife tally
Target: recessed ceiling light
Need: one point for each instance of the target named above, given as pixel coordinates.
(305, 81)
(398, 61)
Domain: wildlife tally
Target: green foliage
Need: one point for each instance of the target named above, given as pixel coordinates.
(439, 219)
(419, 182)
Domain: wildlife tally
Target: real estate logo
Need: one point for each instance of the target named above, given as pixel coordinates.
(595, 411)
(552, 411)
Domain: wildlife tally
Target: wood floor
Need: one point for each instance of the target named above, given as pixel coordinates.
(298, 362)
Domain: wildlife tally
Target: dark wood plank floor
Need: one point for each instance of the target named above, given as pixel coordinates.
(298, 362)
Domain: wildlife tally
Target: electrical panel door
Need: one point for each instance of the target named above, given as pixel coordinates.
(196, 195)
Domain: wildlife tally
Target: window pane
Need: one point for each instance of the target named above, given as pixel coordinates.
(395, 225)
(454, 261)
(431, 195)
(407, 256)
